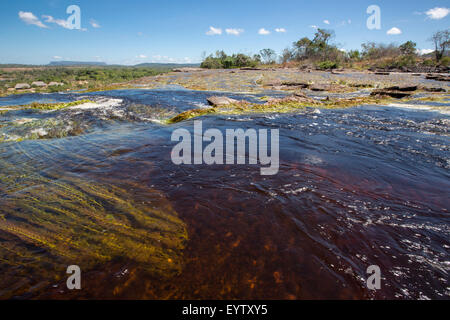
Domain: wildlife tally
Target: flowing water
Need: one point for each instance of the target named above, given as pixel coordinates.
(356, 187)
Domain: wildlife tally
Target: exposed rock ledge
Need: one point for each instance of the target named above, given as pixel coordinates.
(221, 101)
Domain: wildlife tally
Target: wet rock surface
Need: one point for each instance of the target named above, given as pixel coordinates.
(220, 101)
(353, 167)
(438, 77)
(391, 93)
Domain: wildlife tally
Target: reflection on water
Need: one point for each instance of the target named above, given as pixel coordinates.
(357, 187)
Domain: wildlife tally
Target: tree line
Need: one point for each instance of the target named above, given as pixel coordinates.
(324, 54)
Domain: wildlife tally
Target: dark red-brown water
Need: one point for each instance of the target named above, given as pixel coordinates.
(356, 187)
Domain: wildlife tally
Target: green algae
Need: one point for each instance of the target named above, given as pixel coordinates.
(281, 106)
(50, 222)
(109, 88)
(288, 106)
(444, 98)
(52, 106)
(194, 113)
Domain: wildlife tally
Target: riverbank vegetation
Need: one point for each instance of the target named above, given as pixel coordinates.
(223, 61)
(322, 53)
(317, 53)
(56, 79)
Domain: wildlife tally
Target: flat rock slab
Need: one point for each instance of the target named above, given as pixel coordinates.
(188, 69)
(220, 101)
(295, 84)
(391, 93)
(319, 87)
(251, 69)
(404, 88)
(438, 77)
(298, 97)
(434, 89)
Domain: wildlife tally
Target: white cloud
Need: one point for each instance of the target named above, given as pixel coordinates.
(437, 13)
(394, 31)
(326, 21)
(424, 51)
(280, 30)
(263, 32)
(214, 31)
(160, 58)
(142, 56)
(234, 32)
(314, 27)
(343, 23)
(59, 22)
(57, 57)
(30, 18)
(166, 59)
(94, 23)
(154, 59)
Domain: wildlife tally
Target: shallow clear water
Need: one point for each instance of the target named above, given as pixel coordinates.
(357, 187)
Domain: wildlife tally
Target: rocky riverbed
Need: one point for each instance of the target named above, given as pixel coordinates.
(86, 178)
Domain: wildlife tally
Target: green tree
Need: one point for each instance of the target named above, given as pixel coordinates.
(409, 48)
(286, 55)
(317, 49)
(302, 48)
(257, 58)
(322, 38)
(354, 55)
(222, 61)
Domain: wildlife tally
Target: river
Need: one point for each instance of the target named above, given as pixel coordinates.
(356, 187)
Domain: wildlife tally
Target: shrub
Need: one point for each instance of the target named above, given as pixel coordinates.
(372, 50)
(223, 61)
(429, 63)
(354, 55)
(445, 61)
(406, 61)
(327, 65)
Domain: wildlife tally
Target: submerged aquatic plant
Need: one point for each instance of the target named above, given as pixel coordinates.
(52, 221)
(34, 129)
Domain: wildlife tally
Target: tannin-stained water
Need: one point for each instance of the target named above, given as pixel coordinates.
(356, 187)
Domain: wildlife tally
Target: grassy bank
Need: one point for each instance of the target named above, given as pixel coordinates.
(55, 79)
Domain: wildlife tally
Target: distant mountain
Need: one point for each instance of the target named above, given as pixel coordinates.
(141, 65)
(75, 63)
(168, 65)
(164, 66)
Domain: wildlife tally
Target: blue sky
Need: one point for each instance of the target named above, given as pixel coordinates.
(136, 31)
